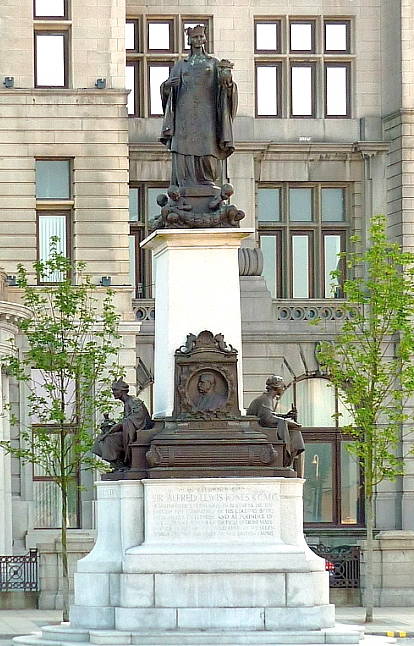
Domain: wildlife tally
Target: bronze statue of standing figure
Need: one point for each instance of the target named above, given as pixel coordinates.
(200, 102)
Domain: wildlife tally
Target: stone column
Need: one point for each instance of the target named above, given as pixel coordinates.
(196, 288)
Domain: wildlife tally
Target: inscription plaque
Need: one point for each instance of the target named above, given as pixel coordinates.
(212, 513)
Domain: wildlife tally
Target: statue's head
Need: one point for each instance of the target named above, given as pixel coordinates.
(173, 192)
(196, 36)
(119, 388)
(206, 382)
(275, 385)
(227, 190)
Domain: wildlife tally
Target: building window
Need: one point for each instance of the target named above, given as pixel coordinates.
(54, 206)
(332, 491)
(302, 36)
(302, 229)
(302, 90)
(337, 36)
(51, 59)
(50, 9)
(267, 38)
(153, 45)
(47, 497)
(337, 89)
(311, 66)
(268, 89)
(53, 179)
(143, 208)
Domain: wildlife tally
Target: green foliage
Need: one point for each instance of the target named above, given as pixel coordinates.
(67, 370)
(67, 367)
(370, 361)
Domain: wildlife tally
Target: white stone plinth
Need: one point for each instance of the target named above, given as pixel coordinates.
(201, 554)
(196, 288)
(200, 561)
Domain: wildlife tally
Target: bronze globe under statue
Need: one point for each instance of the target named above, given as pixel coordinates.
(200, 102)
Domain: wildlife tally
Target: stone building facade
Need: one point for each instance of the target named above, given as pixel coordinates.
(324, 140)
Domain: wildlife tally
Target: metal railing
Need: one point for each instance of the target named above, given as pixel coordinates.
(343, 564)
(19, 572)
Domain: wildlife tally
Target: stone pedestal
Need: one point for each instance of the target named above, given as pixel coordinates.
(393, 568)
(197, 288)
(200, 561)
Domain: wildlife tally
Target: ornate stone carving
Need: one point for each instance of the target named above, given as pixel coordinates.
(206, 378)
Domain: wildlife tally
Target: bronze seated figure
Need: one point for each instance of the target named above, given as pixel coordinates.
(287, 427)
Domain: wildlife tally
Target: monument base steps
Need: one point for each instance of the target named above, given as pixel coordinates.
(200, 562)
(63, 635)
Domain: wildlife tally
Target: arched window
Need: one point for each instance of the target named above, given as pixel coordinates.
(332, 491)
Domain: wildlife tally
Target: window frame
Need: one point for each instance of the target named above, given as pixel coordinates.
(303, 21)
(334, 435)
(55, 206)
(136, 65)
(72, 430)
(150, 64)
(266, 21)
(343, 243)
(70, 180)
(278, 66)
(171, 30)
(294, 231)
(284, 228)
(278, 241)
(317, 58)
(137, 35)
(68, 221)
(142, 57)
(348, 86)
(53, 32)
(347, 23)
(52, 17)
(140, 230)
(336, 438)
(312, 66)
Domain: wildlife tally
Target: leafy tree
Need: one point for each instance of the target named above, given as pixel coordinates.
(370, 362)
(66, 366)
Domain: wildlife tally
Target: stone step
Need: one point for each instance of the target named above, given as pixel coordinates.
(65, 636)
(253, 637)
(36, 639)
(369, 640)
(110, 637)
(64, 632)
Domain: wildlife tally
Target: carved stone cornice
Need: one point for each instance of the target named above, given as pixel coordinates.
(12, 313)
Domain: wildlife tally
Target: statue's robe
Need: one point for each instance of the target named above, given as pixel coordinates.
(116, 446)
(197, 125)
(262, 407)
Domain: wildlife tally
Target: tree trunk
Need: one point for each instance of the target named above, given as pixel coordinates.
(65, 570)
(369, 560)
